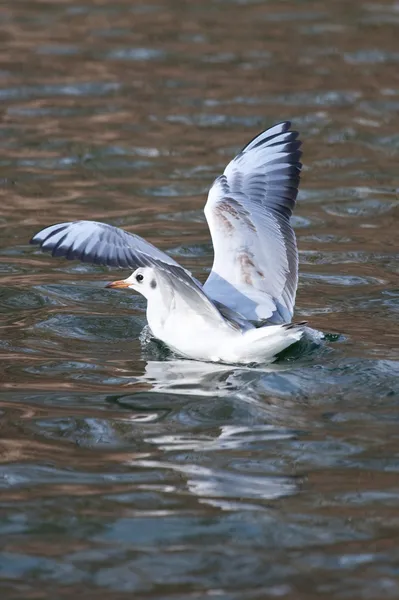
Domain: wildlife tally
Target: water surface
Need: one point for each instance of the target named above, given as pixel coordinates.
(126, 473)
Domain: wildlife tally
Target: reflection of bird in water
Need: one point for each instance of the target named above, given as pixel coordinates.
(273, 393)
(218, 430)
(255, 270)
(198, 378)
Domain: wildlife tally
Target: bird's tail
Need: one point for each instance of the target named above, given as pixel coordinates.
(264, 343)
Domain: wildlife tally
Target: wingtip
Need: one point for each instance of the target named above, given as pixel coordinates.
(34, 239)
(271, 135)
(44, 234)
(286, 125)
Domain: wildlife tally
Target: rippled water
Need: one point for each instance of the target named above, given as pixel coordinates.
(127, 473)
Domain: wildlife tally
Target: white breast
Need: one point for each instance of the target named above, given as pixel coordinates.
(190, 334)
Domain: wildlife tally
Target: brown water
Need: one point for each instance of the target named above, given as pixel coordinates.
(124, 473)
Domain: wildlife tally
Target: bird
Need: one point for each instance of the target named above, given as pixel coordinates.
(243, 312)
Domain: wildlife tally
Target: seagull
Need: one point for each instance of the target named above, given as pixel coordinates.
(243, 313)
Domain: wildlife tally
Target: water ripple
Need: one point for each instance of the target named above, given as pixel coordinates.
(124, 469)
(78, 89)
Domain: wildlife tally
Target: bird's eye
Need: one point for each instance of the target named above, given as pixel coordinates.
(139, 278)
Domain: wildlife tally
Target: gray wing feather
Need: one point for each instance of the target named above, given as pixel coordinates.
(99, 243)
(255, 269)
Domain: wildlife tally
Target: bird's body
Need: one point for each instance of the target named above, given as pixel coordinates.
(254, 275)
(195, 336)
(195, 339)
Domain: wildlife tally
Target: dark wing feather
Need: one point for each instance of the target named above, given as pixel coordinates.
(98, 243)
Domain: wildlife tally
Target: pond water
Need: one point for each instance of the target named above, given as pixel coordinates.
(125, 473)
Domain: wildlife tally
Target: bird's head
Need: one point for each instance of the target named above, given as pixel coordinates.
(143, 280)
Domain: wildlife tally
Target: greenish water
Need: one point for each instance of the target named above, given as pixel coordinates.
(125, 473)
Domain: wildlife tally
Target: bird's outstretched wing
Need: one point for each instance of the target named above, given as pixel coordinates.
(255, 269)
(102, 244)
(99, 243)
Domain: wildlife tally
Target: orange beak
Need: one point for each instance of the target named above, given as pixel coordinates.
(118, 284)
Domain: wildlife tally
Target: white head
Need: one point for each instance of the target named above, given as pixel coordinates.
(143, 280)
